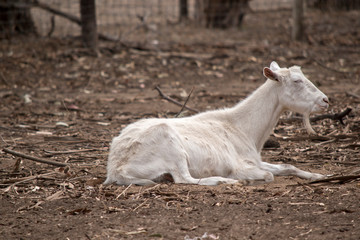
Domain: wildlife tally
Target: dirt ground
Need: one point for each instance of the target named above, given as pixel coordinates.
(61, 103)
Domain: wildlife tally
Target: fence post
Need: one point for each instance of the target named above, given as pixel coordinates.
(183, 9)
(88, 24)
(298, 25)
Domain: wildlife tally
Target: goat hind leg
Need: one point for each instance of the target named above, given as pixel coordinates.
(185, 177)
(289, 170)
(121, 180)
(253, 175)
(216, 181)
(182, 175)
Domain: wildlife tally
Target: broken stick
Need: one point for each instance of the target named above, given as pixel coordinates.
(337, 179)
(184, 105)
(174, 101)
(336, 117)
(18, 154)
(50, 153)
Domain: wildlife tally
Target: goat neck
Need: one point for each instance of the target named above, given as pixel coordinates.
(258, 114)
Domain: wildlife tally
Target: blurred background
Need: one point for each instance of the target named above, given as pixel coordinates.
(122, 19)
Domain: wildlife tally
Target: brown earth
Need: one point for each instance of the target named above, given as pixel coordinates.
(57, 97)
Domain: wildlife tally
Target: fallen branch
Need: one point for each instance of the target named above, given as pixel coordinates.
(174, 101)
(337, 179)
(18, 154)
(183, 106)
(336, 117)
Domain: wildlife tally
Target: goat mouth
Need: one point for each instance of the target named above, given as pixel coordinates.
(323, 107)
(318, 108)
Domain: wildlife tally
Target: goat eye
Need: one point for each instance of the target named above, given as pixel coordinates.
(298, 81)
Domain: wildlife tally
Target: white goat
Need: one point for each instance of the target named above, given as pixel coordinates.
(221, 146)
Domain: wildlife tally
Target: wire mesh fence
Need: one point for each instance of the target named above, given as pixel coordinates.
(120, 19)
(113, 16)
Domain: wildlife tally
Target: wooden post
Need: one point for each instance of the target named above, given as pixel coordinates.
(183, 9)
(298, 25)
(88, 24)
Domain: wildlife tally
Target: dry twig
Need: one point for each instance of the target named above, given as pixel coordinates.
(140, 205)
(336, 116)
(123, 192)
(173, 100)
(70, 151)
(187, 99)
(36, 159)
(337, 179)
(16, 181)
(3, 79)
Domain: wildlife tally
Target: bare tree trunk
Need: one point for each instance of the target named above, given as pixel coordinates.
(184, 14)
(298, 25)
(88, 24)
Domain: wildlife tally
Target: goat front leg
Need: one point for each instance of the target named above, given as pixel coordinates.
(289, 170)
(182, 175)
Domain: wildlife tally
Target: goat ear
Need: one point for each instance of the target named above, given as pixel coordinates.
(274, 66)
(268, 73)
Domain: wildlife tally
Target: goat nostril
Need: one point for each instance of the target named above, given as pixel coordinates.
(326, 100)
